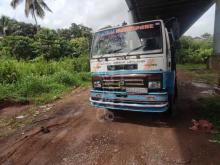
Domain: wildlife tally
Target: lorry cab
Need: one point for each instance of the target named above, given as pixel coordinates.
(133, 68)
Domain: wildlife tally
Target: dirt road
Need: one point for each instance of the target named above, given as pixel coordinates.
(73, 135)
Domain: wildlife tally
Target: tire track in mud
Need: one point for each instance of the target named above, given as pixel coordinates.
(35, 141)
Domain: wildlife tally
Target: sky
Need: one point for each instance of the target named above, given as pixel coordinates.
(95, 14)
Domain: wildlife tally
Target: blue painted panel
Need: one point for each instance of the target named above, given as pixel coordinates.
(170, 82)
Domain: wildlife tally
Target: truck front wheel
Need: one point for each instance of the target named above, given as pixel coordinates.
(104, 115)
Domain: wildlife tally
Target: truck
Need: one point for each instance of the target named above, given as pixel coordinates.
(133, 67)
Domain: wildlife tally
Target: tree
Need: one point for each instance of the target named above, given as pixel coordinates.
(75, 31)
(48, 44)
(4, 25)
(80, 46)
(34, 7)
(24, 29)
(207, 36)
(65, 34)
(10, 26)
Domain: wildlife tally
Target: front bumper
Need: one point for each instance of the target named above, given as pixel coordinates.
(151, 102)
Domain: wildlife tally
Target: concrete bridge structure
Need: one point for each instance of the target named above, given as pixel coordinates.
(187, 13)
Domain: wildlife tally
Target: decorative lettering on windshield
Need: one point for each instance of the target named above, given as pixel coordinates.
(134, 28)
(125, 29)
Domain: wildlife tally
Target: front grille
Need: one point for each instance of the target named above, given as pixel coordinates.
(124, 83)
(121, 82)
(115, 83)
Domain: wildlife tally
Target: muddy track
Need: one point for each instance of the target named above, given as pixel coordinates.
(73, 135)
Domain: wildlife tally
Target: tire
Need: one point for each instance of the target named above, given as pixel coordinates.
(104, 115)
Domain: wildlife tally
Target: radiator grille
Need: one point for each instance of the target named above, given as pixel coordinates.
(123, 82)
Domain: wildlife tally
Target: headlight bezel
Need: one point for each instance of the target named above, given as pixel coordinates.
(97, 82)
(154, 85)
(155, 82)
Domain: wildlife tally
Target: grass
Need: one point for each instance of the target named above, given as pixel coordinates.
(41, 82)
(210, 110)
(200, 73)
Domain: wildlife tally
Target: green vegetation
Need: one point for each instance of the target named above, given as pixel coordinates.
(193, 57)
(210, 110)
(200, 73)
(195, 50)
(39, 65)
(40, 81)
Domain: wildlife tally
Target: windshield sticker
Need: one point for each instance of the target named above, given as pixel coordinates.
(150, 64)
(134, 28)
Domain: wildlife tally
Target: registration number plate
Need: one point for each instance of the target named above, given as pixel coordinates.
(137, 90)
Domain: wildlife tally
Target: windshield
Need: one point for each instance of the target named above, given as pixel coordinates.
(145, 37)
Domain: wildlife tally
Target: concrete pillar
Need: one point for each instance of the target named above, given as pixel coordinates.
(217, 29)
(214, 61)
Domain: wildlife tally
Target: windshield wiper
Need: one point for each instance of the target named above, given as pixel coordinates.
(137, 48)
(115, 51)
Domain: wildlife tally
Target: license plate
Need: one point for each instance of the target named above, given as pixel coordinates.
(137, 90)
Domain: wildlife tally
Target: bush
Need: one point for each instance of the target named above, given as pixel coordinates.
(85, 76)
(32, 85)
(39, 81)
(8, 72)
(7, 92)
(195, 51)
(67, 78)
(19, 47)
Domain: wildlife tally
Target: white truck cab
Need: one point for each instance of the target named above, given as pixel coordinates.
(133, 68)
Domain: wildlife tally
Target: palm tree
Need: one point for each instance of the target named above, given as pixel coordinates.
(34, 7)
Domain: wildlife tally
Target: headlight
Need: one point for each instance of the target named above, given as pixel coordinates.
(97, 84)
(154, 84)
